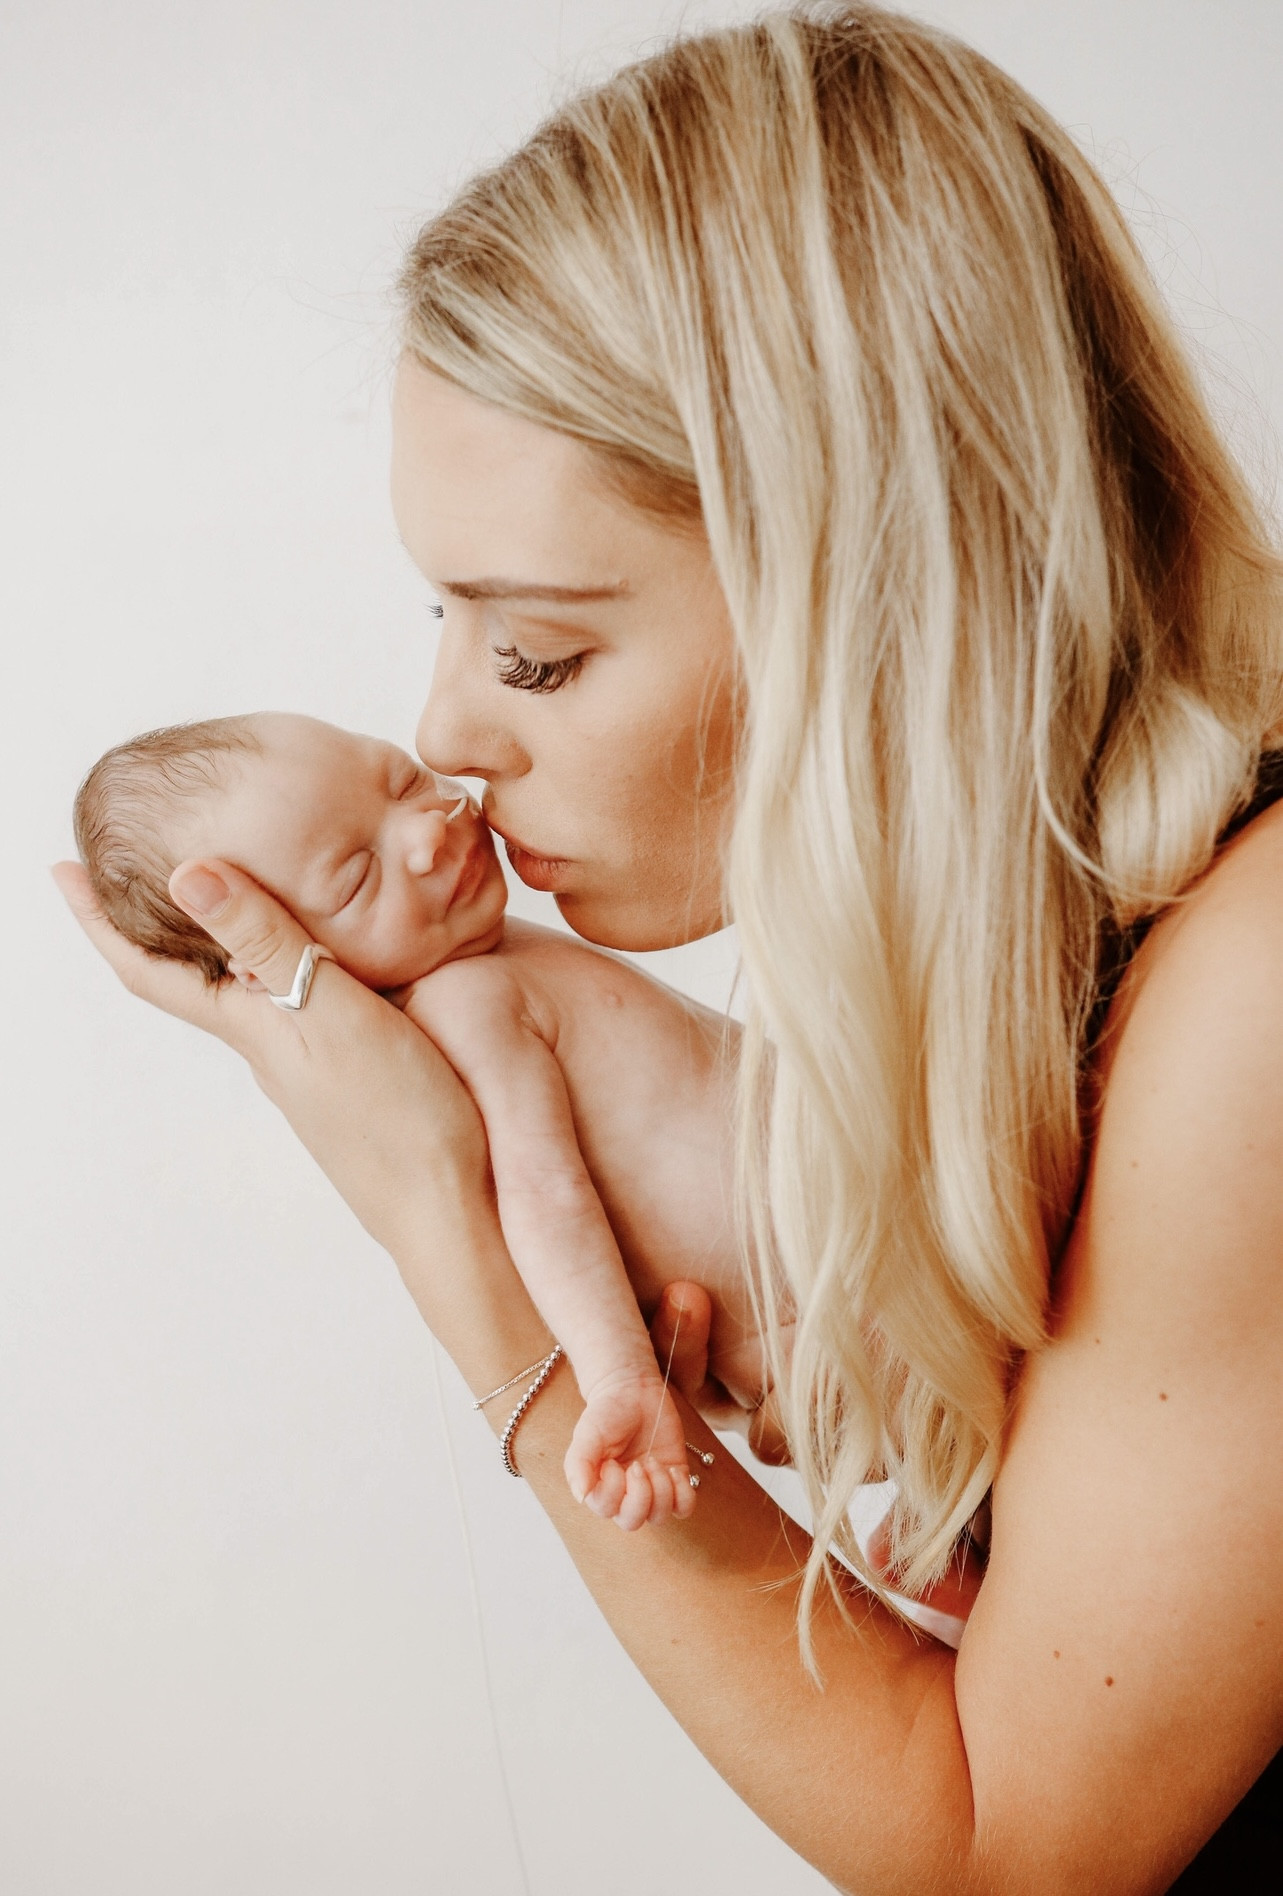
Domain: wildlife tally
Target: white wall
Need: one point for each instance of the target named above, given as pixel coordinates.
(236, 1646)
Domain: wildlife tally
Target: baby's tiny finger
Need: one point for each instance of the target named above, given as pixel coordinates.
(661, 1493)
(683, 1493)
(635, 1506)
(582, 1467)
(604, 1500)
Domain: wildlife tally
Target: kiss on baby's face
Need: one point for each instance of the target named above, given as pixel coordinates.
(360, 842)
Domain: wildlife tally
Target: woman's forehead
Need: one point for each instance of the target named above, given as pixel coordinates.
(483, 496)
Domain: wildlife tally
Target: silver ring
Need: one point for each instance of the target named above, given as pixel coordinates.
(301, 986)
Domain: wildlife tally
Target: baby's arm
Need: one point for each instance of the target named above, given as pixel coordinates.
(557, 1231)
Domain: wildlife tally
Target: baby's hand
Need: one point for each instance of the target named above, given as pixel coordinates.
(627, 1456)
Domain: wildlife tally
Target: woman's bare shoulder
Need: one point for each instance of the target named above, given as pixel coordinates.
(1181, 1222)
(1194, 1054)
(1227, 928)
(1138, 1513)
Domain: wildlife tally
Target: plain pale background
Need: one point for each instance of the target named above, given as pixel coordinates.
(237, 1650)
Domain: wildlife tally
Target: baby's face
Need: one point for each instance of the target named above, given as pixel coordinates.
(358, 840)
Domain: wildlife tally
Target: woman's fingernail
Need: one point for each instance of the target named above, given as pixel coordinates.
(200, 891)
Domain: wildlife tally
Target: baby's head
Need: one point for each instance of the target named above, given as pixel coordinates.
(368, 849)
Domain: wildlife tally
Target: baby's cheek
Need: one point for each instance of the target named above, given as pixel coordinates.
(392, 969)
(414, 951)
(357, 956)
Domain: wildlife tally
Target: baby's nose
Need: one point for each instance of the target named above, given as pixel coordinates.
(426, 842)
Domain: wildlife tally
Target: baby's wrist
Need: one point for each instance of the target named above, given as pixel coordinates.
(644, 1375)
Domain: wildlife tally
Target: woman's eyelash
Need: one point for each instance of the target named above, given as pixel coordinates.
(522, 673)
(535, 674)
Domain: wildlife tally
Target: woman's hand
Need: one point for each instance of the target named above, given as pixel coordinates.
(679, 1334)
(373, 1100)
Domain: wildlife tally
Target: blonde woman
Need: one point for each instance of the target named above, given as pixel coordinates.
(830, 535)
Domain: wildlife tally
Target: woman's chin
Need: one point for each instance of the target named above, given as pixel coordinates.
(634, 927)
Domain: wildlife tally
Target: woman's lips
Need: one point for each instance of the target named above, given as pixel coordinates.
(546, 873)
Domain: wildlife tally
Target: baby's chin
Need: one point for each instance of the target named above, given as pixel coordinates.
(389, 975)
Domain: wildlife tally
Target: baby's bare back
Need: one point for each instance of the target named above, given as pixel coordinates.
(650, 1075)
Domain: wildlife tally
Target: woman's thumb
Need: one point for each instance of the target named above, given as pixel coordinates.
(679, 1334)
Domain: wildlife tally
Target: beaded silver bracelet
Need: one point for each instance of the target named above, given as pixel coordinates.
(541, 1371)
(512, 1381)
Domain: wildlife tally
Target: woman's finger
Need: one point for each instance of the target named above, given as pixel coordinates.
(766, 1435)
(679, 1334)
(174, 986)
(372, 1097)
(262, 938)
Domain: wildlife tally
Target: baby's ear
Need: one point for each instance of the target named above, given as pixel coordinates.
(246, 979)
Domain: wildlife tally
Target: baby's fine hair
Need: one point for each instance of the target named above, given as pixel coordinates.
(124, 817)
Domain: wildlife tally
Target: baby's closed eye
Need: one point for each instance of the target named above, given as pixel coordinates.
(356, 879)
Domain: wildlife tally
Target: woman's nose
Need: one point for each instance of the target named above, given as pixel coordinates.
(458, 735)
(426, 841)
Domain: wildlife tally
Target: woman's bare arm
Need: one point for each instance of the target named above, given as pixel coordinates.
(1120, 1683)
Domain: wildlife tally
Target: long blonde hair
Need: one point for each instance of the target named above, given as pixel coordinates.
(1010, 638)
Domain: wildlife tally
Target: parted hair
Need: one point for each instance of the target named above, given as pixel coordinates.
(1010, 633)
(124, 822)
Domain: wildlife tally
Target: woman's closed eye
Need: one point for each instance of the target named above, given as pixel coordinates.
(535, 674)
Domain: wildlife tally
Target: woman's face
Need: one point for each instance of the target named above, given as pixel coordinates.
(585, 670)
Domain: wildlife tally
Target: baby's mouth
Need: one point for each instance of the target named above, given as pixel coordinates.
(470, 877)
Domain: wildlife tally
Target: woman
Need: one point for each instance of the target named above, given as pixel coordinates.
(830, 534)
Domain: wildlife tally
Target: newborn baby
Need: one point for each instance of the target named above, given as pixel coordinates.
(605, 1096)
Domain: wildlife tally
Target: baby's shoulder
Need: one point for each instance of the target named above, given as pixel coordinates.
(530, 944)
(475, 993)
(563, 971)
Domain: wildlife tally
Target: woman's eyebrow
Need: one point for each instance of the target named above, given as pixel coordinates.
(530, 589)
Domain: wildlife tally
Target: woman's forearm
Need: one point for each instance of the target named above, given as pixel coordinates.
(465, 1286)
(865, 1778)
